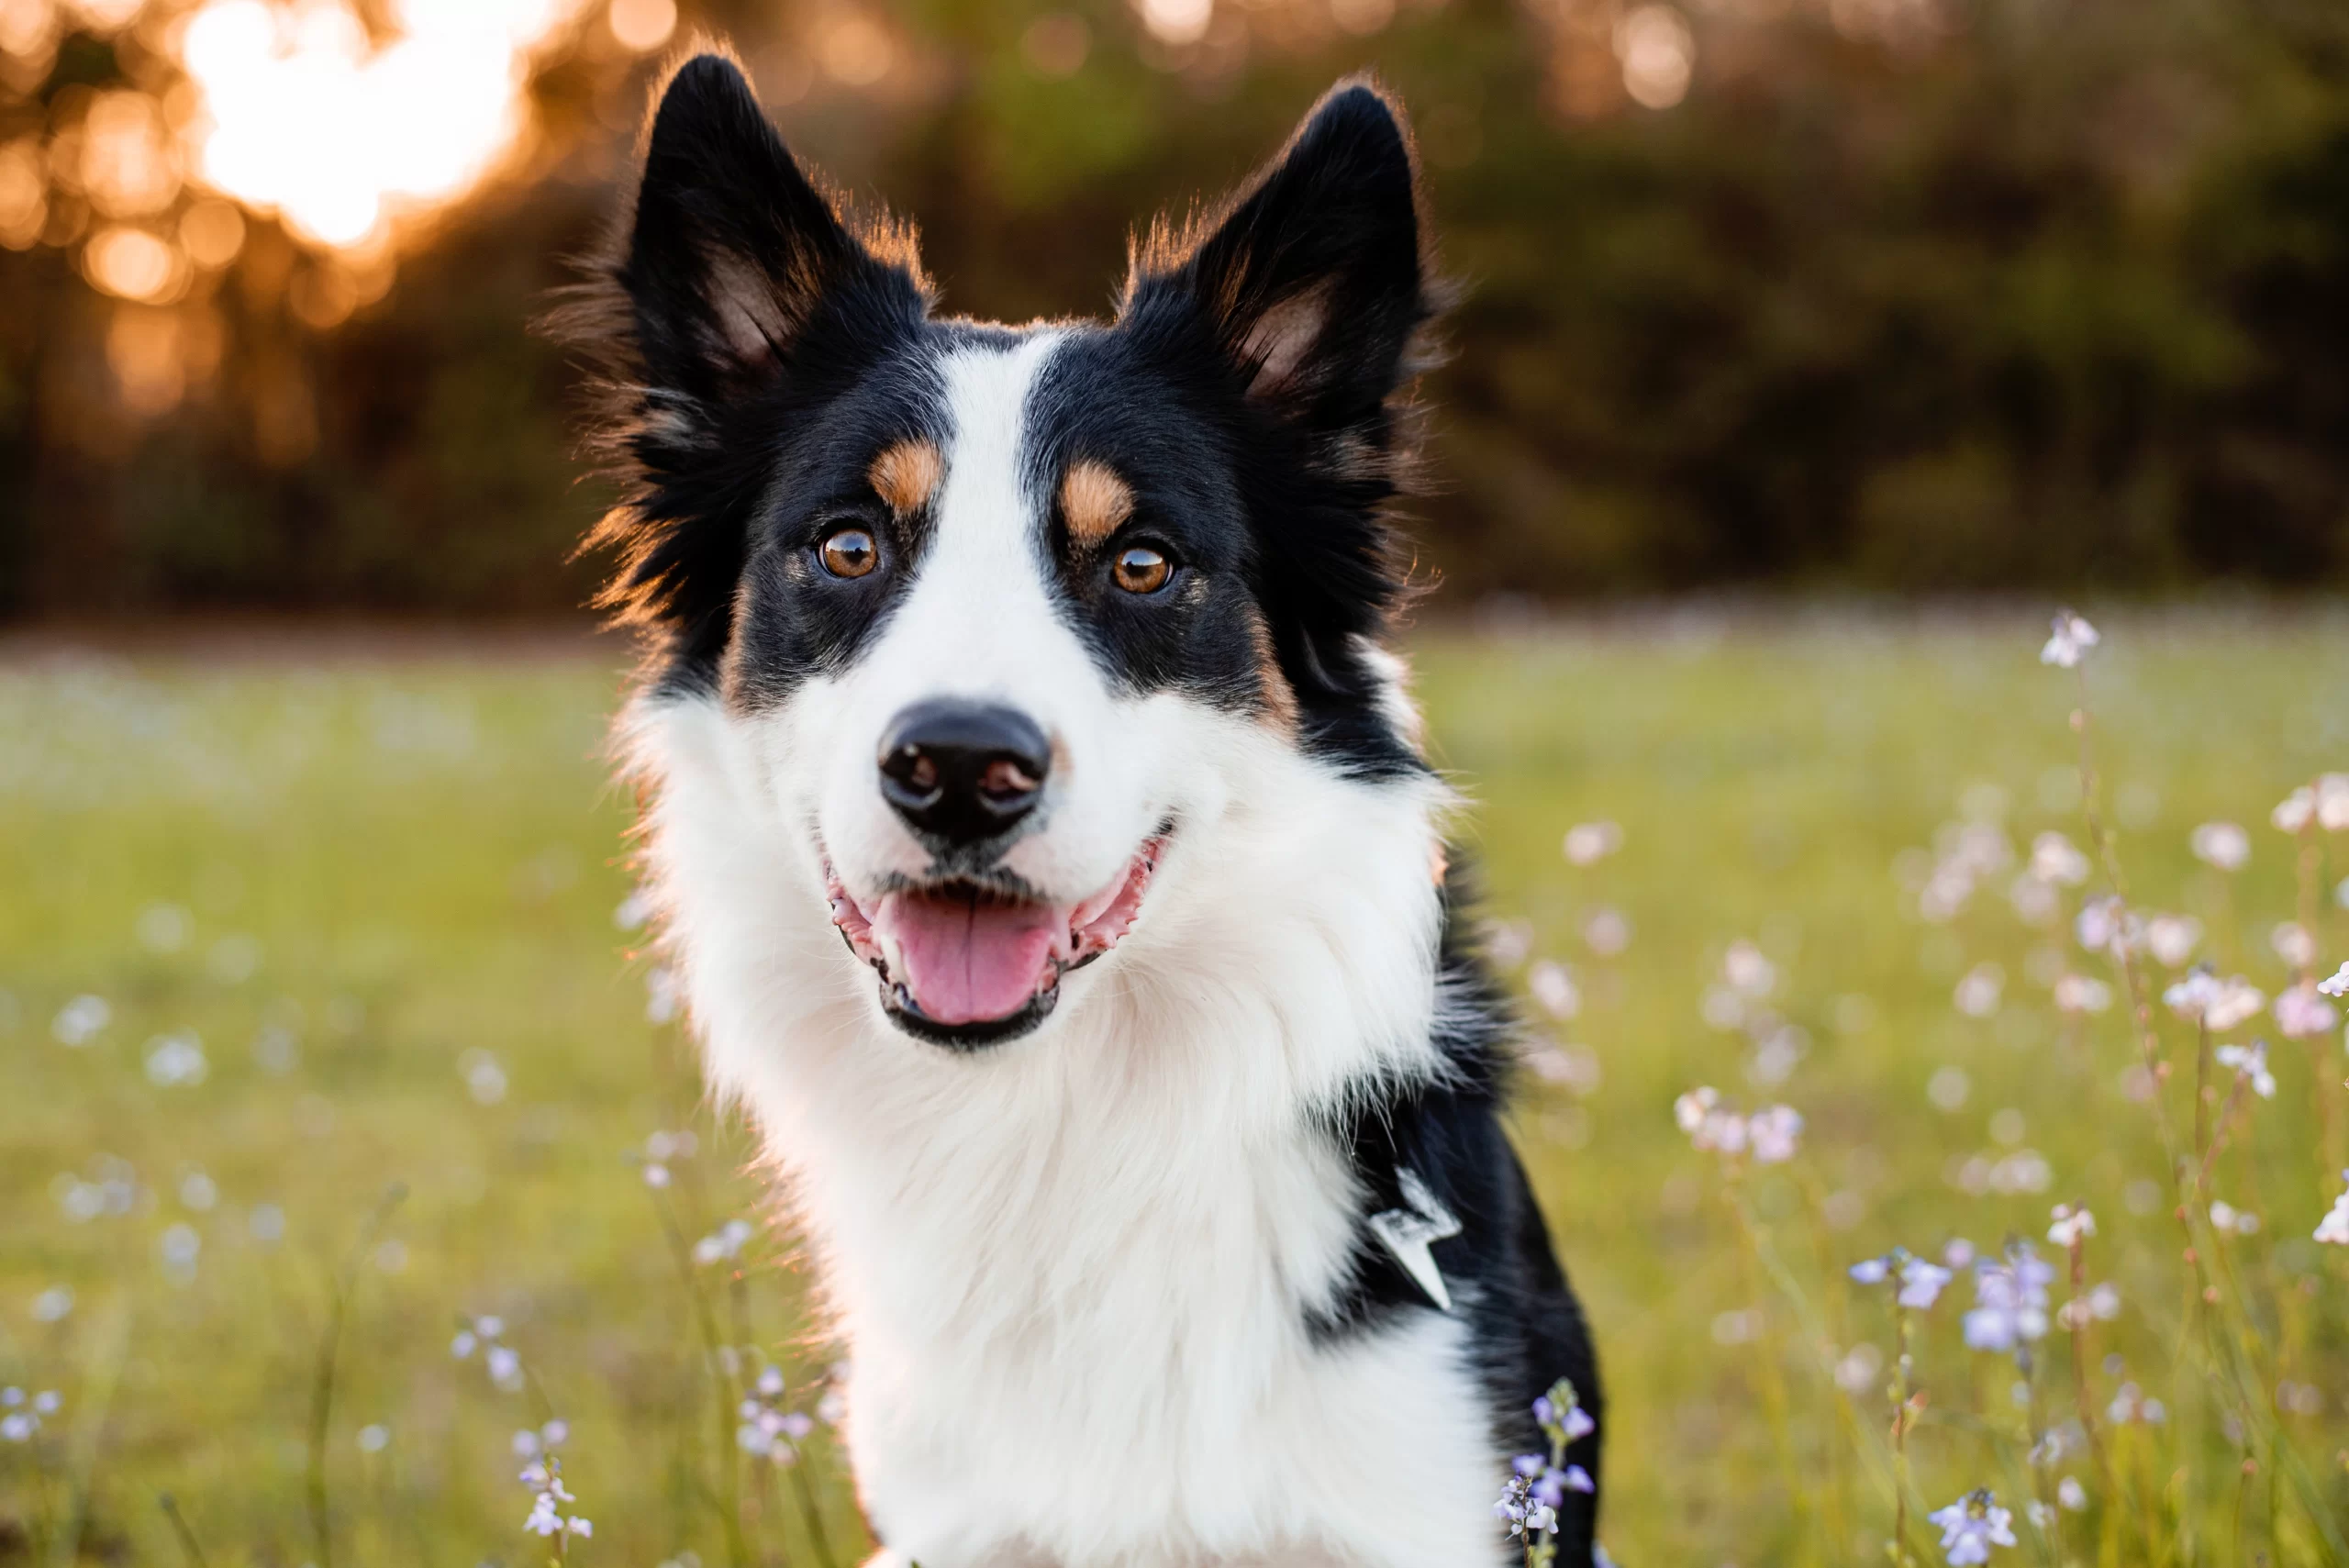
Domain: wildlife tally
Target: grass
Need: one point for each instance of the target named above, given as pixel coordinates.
(406, 865)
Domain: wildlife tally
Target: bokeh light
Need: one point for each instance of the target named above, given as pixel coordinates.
(1056, 44)
(132, 264)
(211, 232)
(857, 51)
(1177, 21)
(301, 114)
(129, 168)
(24, 203)
(1659, 56)
(643, 25)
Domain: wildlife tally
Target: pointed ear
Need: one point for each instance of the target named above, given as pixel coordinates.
(1312, 282)
(733, 253)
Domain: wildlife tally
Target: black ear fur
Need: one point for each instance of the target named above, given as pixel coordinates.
(1314, 280)
(732, 247)
(733, 289)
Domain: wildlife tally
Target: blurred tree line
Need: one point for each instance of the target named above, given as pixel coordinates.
(1883, 294)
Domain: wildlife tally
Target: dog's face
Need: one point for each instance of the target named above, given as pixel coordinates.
(1003, 615)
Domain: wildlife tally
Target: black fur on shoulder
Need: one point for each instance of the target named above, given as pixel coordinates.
(735, 288)
(1525, 1326)
(1298, 315)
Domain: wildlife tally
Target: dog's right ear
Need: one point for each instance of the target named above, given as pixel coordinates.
(735, 258)
(734, 271)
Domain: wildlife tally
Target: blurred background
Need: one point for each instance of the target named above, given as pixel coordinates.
(1781, 314)
(1858, 295)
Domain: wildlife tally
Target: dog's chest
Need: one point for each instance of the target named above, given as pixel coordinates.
(1089, 1347)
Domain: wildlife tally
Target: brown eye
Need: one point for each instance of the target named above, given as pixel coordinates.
(1141, 570)
(850, 552)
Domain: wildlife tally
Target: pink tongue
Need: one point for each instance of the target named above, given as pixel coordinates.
(965, 962)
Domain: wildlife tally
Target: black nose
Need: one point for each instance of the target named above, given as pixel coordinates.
(962, 771)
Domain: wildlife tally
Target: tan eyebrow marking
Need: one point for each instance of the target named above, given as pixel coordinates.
(906, 475)
(1094, 501)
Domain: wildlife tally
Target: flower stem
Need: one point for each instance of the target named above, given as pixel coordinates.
(188, 1544)
(730, 1476)
(2201, 1084)
(1904, 1390)
(2082, 1398)
(322, 1380)
(812, 1515)
(1774, 1373)
(2309, 869)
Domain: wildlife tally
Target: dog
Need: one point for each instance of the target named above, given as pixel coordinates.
(1039, 825)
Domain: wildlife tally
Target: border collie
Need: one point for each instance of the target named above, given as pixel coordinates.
(1038, 824)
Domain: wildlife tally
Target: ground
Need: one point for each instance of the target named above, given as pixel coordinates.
(350, 906)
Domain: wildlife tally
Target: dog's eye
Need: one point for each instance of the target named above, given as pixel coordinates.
(1141, 570)
(848, 552)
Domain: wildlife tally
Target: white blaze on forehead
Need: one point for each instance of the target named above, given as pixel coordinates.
(978, 619)
(985, 513)
(982, 620)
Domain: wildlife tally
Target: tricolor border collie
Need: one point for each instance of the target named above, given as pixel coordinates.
(1038, 820)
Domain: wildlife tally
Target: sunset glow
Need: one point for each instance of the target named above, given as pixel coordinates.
(303, 115)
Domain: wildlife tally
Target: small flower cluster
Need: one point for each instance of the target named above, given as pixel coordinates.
(723, 1244)
(1967, 854)
(660, 1148)
(1739, 1002)
(81, 1020)
(2227, 1219)
(543, 1476)
(2131, 1406)
(2079, 994)
(2250, 1064)
(2109, 926)
(1919, 1282)
(2071, 1225)
(1972, 1526)
(1538, 1483)
(1552, 985)
(2066, 645)
(2301, 1014)
(486, 1334)
(2334, 1226)
(1771, 1135)
(24, 1413)
(529, 1444)
(1587, 843)
(2055, 859)
(767, 1429)
(1526, 1515)
(2324, 802)
(2217, 1004)
(2224, 845)
(2009, 1300)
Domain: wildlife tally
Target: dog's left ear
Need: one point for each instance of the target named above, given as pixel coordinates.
(1312, 282)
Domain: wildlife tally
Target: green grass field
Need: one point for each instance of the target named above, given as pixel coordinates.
(375, 892)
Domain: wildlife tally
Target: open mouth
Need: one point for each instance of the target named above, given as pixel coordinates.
(966, 964)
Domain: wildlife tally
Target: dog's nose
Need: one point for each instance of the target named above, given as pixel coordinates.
(962, 771)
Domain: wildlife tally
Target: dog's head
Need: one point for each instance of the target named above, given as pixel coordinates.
(1005, 619)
